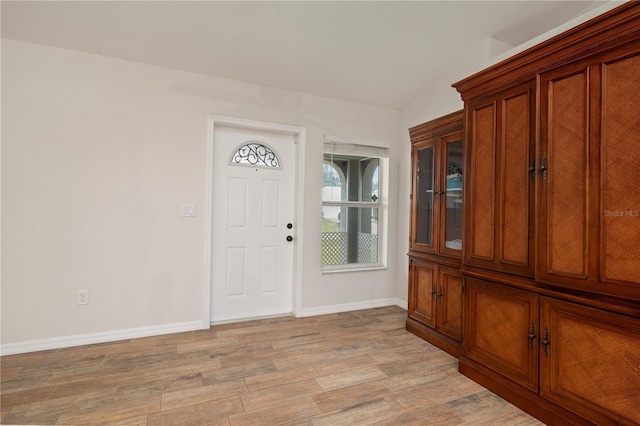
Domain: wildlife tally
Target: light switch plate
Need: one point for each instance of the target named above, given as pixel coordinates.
(188, 210)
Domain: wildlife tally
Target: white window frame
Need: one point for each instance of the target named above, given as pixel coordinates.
(340, 146)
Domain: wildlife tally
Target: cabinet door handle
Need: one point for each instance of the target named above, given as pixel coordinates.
(546, 341)
(532, 335)
(543, 167)
(532, 168)
(439, 295)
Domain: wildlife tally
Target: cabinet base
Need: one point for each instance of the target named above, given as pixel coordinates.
(519, 396)
(432, 336)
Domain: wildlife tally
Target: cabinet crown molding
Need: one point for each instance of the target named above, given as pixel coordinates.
(446, 124)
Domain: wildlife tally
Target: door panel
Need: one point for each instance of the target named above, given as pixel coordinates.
(480, 240)
(235, 267)
(620, 150)
(498, 320)
(450, 302)
(564, 184)
(237, 205)
(592, 363)
(269, 259)
(516, 200)
(422, 304)
(253, 202)
(270, 205)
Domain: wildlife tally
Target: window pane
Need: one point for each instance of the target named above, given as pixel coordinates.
(350, 178)
(424, 216)
(453, 218)
(368, 169)
(255, 154)
(350, 235)
(333, 183)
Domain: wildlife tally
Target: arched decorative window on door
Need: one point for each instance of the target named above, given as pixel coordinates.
(256, 154)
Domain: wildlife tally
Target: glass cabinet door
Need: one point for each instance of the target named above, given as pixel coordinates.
(437, 188)
(424, 206)
(452, 194)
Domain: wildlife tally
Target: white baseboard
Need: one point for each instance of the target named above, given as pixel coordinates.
(333, 309)
(402, 303)
(93, 338)
(156, 330)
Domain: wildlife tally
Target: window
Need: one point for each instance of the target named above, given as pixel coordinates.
(352, 206)
(255, 154)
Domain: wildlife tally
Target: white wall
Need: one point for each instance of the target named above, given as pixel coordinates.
(97, 156)
(437, 100)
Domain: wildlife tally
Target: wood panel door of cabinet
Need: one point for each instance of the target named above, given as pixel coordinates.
(589, 200)
(565, 160)
(449, 304)
(499, 194)
(422, 292)
(620, 172)
(590, 362)
(500, 327)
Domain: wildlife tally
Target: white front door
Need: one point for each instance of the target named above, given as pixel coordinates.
(253, 212)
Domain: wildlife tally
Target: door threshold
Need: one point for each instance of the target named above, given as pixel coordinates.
(231, 321)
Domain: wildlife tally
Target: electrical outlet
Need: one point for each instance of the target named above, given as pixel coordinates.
(83, 297)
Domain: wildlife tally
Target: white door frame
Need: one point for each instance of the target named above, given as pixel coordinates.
(299, 134)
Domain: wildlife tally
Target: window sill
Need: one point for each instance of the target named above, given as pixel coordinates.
(350, 268)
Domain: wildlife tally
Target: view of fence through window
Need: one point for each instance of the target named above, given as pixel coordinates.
(350, 210)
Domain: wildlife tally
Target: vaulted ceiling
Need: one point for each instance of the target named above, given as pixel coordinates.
(372, 52)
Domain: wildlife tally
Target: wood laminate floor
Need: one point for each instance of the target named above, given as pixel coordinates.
(354, 368)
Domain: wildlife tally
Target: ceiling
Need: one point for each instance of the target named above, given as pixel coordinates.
(371, 52)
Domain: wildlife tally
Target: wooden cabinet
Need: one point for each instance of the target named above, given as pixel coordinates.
(583, 359)
(551, 262)
(435, 244)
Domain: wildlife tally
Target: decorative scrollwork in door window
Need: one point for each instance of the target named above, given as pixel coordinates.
(255, 154)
